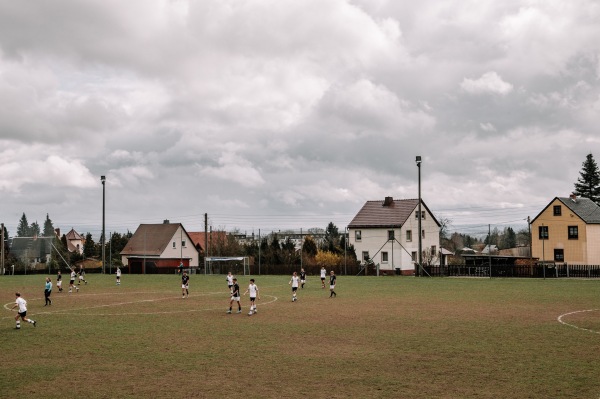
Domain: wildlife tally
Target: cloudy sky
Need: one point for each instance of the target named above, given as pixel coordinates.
(287, 114)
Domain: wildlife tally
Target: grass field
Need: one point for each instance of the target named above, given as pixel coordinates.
(386, 337)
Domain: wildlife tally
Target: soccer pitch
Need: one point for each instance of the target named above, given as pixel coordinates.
(381, 337)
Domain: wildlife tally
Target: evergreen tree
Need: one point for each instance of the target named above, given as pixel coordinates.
(89, 247)
(23, 227)
(588, 183)
(48, 227)
(34, 230)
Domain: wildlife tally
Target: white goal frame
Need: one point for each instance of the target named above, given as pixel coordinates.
(209, 259)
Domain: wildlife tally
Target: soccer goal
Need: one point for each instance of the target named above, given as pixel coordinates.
(225, 264)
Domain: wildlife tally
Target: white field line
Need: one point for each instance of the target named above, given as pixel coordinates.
(561, 321)
(169, 298)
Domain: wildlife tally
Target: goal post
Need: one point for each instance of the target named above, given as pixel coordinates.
(213, 264)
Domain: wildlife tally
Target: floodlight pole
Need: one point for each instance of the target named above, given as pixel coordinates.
(420, 257)
(103, 180)
(2, 250)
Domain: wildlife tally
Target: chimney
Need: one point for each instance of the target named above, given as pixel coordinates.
(166, 221)
(573, 197)
(388, 201)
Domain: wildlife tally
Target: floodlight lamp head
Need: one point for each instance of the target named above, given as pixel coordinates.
(418, 160)
(102, 179)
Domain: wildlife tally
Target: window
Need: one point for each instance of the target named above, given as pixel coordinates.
(422, 233)
(433, 250)
(559, 255)
(408, 235)
(384, 257)
(557, 210)
(357, 235)
(183, 244)
(414, 256)
(543, 232)
(573, 233)
(422, 215)
(174, 244)
(365, 255)
(390, 235)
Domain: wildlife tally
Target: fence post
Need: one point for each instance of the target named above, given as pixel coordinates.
(567, 266)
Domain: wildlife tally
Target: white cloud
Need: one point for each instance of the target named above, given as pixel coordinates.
(489, 82)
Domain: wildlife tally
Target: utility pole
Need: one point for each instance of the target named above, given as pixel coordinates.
(103, 180)
(2, 250)
(420, 257)
(205, 241)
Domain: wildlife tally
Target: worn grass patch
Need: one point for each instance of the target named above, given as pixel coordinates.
(387, 337)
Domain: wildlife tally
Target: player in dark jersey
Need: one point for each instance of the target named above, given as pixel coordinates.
(302, 278)
(59, 281)
(332, 285)
(185, 282)
(235, 296)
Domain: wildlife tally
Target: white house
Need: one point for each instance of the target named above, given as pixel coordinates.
(386, 232)
(159, 248)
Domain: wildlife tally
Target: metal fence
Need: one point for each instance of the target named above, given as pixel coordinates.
(561, 270)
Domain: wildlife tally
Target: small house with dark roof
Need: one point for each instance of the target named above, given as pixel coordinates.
(32, 250)
(159, 248)
(567, 230)
(75, 241)
(386, 233)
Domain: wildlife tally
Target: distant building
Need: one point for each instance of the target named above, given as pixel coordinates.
(567, 230)
(386, 232)
(75, 242)
(32, 250)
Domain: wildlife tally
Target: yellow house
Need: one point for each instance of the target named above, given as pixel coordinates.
(567, 231)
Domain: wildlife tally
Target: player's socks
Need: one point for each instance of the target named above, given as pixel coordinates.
(18, 325)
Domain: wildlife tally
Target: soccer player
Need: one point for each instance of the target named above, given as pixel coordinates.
(72, 281)
(22, 312)
(235, 296)
(332, 285)
(48, 291)
(81, 276)
(230, 282)
(185, 285)
(253, 290)
(59, 281)
(118, 276)
(294, 282)
(302, 277)
(323, 276)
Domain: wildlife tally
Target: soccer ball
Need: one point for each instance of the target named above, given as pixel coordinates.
(250, 313)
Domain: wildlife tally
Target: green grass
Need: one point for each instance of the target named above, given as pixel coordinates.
(386, 337)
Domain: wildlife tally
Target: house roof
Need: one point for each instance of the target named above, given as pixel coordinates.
(386, 213)
(30, 246)
(586, 209)
(73, 235)
(198, 238)
(151, 239)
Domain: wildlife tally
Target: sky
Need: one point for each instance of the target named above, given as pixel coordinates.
(279, 114)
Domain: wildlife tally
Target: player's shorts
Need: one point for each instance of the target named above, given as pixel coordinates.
(71, 281)
(80, 278)
(184, 286)
(235, 298)
(59, 283)
(331, 287)
(23, 314)
(294, 289)
(323, 279)
(302, 281)
(252, 299)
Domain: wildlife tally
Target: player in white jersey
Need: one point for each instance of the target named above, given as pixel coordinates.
(230, 282)
(295, 280)
(22, 312)
(72, 281)
(253, 290)
(323, 276)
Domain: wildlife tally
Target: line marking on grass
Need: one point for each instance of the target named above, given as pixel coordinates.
(561, 321)
(173, 298)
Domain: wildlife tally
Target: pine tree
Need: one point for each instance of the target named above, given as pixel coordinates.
(48, 227)
(588, 183)
(23, 227)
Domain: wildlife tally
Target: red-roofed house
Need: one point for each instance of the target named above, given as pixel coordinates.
(386, 232)
(75, 241)
(159, 248)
